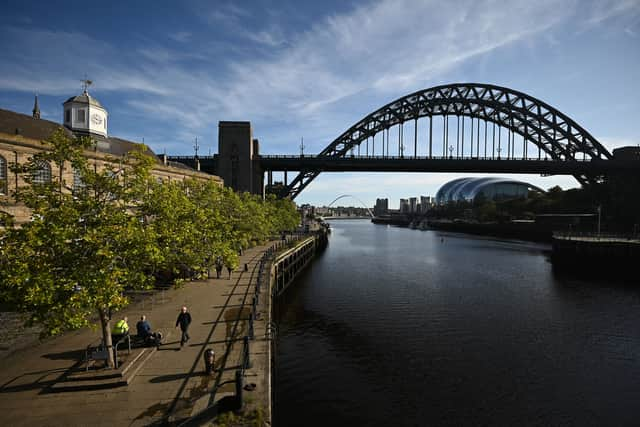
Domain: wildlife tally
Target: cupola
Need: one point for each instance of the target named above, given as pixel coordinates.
(84, 114)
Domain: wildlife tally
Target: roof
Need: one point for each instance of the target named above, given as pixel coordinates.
(85, 98)
(469, 188)
(21, 124)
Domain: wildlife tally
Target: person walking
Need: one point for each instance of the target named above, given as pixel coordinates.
(219, 265)
(229, 270)
(184, 320)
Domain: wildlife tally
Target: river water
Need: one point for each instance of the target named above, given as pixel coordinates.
(397, 327)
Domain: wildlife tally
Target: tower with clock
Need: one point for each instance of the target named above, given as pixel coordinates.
(83, 114)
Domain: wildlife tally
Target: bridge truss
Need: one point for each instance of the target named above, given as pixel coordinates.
(545, 132)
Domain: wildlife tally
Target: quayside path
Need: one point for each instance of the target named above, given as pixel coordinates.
(171, 385)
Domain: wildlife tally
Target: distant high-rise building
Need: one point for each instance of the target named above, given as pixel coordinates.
(404, 206)
(413, 204)
(425, 203)
(381, 207)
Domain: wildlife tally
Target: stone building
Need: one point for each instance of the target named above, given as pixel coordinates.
(21, 137)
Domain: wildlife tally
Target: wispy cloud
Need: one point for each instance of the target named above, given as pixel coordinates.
(318, 79)
(180, 36)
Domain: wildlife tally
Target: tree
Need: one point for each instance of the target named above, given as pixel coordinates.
(82, 248)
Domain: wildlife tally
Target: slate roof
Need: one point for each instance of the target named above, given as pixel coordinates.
(21, 124)
(84, 98)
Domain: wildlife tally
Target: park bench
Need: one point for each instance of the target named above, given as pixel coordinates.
(95, 352)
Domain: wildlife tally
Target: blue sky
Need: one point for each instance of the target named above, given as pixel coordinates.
(169, 71)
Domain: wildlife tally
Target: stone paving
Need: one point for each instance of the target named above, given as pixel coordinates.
(171, 386)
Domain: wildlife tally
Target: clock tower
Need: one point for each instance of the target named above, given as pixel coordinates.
(84, 114)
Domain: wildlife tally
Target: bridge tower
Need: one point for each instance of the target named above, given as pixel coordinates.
(238, 158)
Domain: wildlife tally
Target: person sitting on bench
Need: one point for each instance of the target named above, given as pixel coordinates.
(144, 332)
(120, 330)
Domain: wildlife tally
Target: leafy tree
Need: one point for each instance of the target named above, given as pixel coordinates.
(82, 248)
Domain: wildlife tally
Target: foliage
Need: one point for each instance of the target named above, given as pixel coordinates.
(121, 229)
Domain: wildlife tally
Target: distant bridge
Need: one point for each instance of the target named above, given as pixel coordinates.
(481, 128)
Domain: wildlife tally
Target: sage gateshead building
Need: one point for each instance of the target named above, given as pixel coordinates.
(470, 189)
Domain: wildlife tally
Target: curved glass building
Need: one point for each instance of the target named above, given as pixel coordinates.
(469, 189)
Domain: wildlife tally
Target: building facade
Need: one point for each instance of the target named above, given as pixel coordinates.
(22, 136)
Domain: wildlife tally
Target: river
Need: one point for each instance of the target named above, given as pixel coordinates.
(397, 327)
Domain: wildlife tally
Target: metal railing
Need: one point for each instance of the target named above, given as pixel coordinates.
(569, 234)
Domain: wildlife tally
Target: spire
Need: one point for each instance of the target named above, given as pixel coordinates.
(36, 109)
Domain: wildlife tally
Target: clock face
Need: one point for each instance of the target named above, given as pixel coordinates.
(96, 119)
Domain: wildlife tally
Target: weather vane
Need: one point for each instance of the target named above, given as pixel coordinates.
(86, 83)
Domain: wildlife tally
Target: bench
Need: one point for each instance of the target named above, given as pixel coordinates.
(94, 352)
(100, 352)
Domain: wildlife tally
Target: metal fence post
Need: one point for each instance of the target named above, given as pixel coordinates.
(247, 356)
(239, 386)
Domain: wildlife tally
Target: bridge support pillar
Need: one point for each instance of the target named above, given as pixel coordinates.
(238, 154)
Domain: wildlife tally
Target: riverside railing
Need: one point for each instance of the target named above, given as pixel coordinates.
(594, 235)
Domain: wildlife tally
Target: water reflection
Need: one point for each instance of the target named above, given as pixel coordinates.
(392, 326)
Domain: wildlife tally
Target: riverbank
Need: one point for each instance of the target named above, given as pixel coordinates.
(172, 386)
(521, 230)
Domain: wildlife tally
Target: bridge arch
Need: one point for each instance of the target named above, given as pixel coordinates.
(556, 135)
(364, 205)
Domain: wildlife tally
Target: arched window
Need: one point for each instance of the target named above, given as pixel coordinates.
(3, 175)
(42, 174)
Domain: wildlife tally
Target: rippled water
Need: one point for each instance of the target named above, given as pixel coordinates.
(399, 327)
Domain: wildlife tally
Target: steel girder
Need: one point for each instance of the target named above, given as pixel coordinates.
(560, 137)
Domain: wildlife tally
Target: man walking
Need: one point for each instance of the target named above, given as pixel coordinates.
(184, 320)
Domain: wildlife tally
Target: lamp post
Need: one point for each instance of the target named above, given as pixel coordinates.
(599, 214)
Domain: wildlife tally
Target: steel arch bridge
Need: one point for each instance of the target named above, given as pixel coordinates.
(556, 136)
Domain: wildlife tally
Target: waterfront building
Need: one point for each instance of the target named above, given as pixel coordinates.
(425, 203)
(21, 137)
(471, 189)
(381, 207)
(413, 205)
(404, 206)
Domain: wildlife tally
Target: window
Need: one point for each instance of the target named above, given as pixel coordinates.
(42, 175)
(78, 184)
(67, 116)
(80, 116)
(3, 175)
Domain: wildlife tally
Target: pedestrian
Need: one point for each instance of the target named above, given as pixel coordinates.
(184, 320)
(229, 270)
(219, 266)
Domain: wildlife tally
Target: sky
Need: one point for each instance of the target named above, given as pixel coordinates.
(168, 72)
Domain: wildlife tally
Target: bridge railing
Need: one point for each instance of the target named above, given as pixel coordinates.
(407, 157)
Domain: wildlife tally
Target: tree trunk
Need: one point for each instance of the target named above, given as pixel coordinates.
(105, 322)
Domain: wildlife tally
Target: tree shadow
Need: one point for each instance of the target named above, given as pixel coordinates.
(65, 355)
(174, 377)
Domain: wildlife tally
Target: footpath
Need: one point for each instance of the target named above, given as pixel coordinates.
(171, 385)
